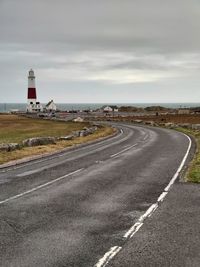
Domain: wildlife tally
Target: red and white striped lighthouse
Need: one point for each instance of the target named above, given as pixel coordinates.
(32, 104)
(31, 88)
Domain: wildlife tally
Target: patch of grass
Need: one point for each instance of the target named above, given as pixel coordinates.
(193, 173)
(18, 132)
(14, 129)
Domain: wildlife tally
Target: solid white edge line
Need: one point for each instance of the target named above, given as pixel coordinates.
(154, 206)
(181, 165)
(135, 228)
(39, 187)
(108, 256)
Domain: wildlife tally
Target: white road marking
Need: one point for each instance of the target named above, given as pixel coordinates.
(63, 153)
(108, 256)
(162, 196)
(120, 152)
(181, 165)
(39, 187)
(140, 221)
(145, 138)
(32, 171)
(135, 228)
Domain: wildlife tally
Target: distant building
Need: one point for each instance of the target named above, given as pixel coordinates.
(78, 119)
(110, 109)
(183, 111)
(32, 104)
(50, 106)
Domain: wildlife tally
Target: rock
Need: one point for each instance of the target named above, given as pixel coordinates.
(37, 141)
(138, 121)
(76, 133)
(195, 126)
(83, 133)
(169, 124)
(9, 147)
(65, 138)
(152, 123)
(185, 125)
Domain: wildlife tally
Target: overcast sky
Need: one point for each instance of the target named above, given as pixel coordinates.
(101, 50)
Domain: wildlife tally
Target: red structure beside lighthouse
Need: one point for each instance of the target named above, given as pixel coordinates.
(32, 105)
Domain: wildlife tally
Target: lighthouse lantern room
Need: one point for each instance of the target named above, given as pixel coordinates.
(32, 104)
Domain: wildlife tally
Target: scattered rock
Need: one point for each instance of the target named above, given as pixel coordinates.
(9, 147)
(195, 126)
(37, 141)
(65, 138)
(76, 133)
(169, 124)
(152, 123)
(185, 125)
(138, 121)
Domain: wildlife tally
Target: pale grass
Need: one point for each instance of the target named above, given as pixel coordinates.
(39, 150)
(14, 129)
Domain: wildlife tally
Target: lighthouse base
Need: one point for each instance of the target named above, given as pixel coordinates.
(34, 107)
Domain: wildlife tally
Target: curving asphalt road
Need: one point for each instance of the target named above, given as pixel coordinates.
(70, 209)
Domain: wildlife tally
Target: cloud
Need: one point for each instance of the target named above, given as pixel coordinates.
(112, 43)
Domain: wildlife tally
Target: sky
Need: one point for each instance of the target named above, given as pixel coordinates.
(101, 51)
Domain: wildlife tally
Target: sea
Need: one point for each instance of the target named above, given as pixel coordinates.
(7, 107)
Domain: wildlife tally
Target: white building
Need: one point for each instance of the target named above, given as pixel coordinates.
(184, 111)
(110, 109)
(51, 106)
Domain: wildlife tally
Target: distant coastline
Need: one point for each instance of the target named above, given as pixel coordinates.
(6, 107)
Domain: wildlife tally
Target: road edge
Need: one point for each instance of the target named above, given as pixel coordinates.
(58, 152)
(114, 250)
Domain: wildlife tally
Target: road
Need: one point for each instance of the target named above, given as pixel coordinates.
(70, 209)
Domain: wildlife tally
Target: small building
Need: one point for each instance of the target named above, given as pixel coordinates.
(110, 109)
(183, 111)
(50, 106)
(78, 119)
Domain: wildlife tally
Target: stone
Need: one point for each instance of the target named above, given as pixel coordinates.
(37, 141)
(78, 119)
(195, 126)
(185, 125)
(65, 138)
(169, 124)
(9, 147)
(138, 121)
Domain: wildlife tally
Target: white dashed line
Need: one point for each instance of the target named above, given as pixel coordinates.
(135, 228)
(140, 221)
(39, 187)
(120, 152)
(108, 256)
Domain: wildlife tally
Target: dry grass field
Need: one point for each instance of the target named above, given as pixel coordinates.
(17, 128)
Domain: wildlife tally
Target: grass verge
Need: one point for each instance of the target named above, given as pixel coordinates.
(14, 129)
(193, 173)
(17, 129)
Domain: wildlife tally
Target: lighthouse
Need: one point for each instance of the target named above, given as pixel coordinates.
(32, 104)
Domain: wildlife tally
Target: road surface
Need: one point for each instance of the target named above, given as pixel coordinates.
(72, 208)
